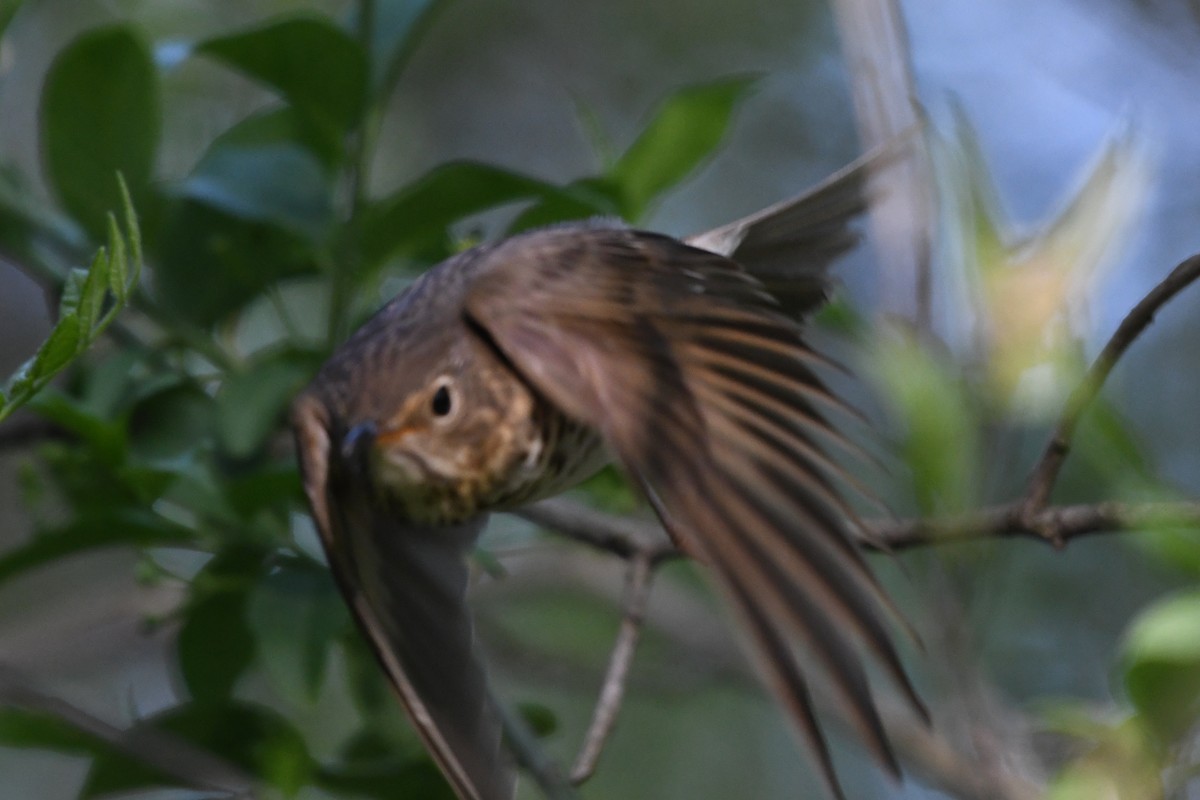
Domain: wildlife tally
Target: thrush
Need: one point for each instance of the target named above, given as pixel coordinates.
(516, 369)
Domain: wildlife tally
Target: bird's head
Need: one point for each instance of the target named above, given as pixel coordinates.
(437, 439)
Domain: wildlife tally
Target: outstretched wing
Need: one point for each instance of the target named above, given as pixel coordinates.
(708, 397)
(405, 585)
(790, 245)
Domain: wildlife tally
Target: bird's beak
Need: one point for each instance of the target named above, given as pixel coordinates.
(356, 446)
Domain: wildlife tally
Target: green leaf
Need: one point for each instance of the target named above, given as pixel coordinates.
(84, 292)
(275, 127)
(279, 184)
(127, 261)
(297, 615)
(110, 528)
(100, 115)
(418, 215)
(63, 343)
(937, 420)
(315, 65)
(171, 422)
(396, 31)
(540, 719)
(104, 437)
(252, 403)
(1161, 656)
(684, 133)
(273, 487)
(215, 645)
(77, 327)
(252, 737)
(21, 728)
(211, 263)
(388, 780)
(581, 199)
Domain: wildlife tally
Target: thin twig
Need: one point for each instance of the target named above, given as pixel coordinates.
(627, 538)
(638, 578)
(163, 751)
(1055, 524)
(1045, 473)
(622, 536)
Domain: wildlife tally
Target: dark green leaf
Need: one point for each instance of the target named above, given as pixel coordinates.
(316, 66)
(252, 403)
(296, 615)
(368, 688)
(215, 645)
(100, 115)
(171, 422)
(21, 728)
(252, 737)
(105, 437)
(685, 131)
(582, 199)
(275, 127)
(275, 486)
(387, 780)
(418, 215)
(211, 263)
(120, 526)
(540, 719)
(280, 184)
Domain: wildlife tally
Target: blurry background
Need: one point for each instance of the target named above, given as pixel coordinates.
(1018, 638)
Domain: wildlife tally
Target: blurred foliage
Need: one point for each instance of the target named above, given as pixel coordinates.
(174, 432)
(963, 417)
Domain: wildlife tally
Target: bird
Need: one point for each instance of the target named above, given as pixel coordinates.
(516, 369)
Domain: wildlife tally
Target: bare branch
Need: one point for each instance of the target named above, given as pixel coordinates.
(161, 750)
(628, 538)
(622, 536)
(637, 592)
(1045, 473)
(1056, 524)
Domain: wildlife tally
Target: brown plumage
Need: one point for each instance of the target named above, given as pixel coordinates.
(515, 370)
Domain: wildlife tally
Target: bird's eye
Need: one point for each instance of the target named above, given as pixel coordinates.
(442, 403)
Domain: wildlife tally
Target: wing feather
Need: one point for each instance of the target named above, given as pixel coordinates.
(709, 398)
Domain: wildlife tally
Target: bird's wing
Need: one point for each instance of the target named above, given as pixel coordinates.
(707, 396)
(405, 585)
(790, 245)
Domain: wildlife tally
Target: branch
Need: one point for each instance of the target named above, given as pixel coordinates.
(1055, 524)
(612, 693)
(1045, 473)
(628, 539)
(624, 537)
(155, 748)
